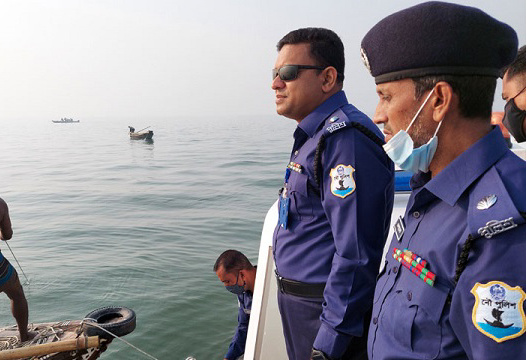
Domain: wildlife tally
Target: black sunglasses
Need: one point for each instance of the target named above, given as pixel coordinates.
(290, 72)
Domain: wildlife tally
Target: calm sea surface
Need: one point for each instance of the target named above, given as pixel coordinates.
(102, 220)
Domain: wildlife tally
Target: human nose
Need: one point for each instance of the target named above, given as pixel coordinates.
(380, 116)
(277, 83)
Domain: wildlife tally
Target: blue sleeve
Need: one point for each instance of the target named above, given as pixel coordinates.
(359, 223)
(237, 346)
(475, 310)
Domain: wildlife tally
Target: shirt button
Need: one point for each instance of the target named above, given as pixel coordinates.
(374, 321)
(409, 296)
(395, 269)
(416, 214)
(296, 152)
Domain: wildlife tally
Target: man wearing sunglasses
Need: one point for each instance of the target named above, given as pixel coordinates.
(335, 205)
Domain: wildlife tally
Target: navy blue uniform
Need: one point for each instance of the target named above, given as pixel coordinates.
(481, 315)
(237, 346)
(336, 228)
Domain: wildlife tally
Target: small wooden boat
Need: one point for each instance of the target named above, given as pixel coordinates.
(141, 134)
(65, 121)
(83, 339)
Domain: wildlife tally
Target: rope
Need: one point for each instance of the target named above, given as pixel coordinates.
(115, 336)
(462, 262)
(463, 257)
(27, 280)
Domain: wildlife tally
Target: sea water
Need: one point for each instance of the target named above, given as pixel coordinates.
(102, 220)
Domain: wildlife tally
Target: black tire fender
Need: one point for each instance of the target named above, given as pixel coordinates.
(118, 320)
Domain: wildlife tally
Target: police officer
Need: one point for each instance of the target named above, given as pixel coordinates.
(335, 205)
(514, 94)
(453, 284)
(238, 275)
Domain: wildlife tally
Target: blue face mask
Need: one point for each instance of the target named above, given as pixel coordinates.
(236, 289)
(401, 149)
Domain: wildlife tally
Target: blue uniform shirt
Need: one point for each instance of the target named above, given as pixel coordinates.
(336, 231)
(482, 315)
(237, 346)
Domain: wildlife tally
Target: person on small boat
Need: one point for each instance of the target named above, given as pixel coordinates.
(9, 282)
(132, 129)
(238, 275)
(514, 93)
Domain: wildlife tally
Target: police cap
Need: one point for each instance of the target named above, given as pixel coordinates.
(438, 38)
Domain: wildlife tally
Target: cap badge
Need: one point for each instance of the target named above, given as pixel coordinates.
(365, 59)
(487, 202)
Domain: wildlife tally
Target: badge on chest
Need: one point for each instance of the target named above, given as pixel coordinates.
(398, 228)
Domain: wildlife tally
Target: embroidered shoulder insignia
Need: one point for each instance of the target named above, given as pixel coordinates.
(495, 227)
(342, 182)
(498, 310)
(335, 126)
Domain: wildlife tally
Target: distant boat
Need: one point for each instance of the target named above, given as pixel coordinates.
(69, 340)
(65, 121)
(141, 134)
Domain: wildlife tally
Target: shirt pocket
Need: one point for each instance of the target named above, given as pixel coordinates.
(415, 317)
(302, 205)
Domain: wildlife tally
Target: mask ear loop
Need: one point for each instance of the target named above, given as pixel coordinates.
(438, 126)
(419, 111)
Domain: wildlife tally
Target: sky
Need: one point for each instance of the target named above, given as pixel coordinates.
(171, 58)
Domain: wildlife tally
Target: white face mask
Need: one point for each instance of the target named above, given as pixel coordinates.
(401, 150)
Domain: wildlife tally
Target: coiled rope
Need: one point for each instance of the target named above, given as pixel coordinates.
(93, 322)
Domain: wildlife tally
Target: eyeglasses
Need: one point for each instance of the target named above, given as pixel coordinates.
(290, 72)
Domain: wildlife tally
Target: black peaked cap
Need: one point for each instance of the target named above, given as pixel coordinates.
(438, 38)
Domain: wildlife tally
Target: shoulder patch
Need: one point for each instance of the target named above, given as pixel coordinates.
(342, 182)
(498, 310)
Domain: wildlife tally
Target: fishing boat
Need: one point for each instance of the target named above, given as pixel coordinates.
(65, 121)
(141, 134)
(84, 339)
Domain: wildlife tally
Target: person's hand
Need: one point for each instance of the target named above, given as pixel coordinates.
(318, 355)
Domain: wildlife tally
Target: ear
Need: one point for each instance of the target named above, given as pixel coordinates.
(442, 100)
(329, 79)
(243, 274)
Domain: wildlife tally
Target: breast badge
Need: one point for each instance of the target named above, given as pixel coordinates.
(342, 182)
(498, 310)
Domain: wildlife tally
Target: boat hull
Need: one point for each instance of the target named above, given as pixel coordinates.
(142, 136)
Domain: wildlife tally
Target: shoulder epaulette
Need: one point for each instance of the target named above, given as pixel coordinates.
(339, 122)
(491, 211)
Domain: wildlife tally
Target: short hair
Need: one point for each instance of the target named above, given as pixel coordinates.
(232, 260)
(475, 93)
(517, 67)
(326, 47)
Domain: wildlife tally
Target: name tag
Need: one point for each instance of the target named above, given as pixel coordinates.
(284, 211)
